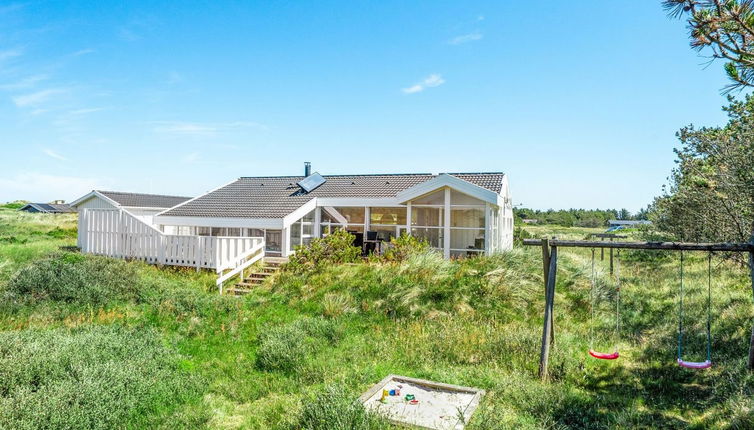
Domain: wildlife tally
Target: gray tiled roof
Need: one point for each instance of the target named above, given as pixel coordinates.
(53, 208)
(277, 196)
(144, 200)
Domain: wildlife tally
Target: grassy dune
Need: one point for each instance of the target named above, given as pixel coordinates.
(171, 353)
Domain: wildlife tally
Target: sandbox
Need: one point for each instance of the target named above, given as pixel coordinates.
(438, 406)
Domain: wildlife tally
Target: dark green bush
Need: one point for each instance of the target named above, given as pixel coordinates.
(15, 205)
(519, 234)
(286, 347)
(335, 248)
(62, 233)
(335, 409)
(404, 246)
(71, 277)
(12, 240)
(96, 377)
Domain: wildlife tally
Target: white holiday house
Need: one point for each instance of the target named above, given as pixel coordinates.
(460, 214)
(231, 227)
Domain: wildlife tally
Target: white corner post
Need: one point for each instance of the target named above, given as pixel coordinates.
(446, 244)
(408, 217)
(488, 238)
(317, 227)
(285, 239)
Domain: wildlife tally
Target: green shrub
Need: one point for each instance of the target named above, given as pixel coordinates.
(334, 409)
(335, 248)
(519, 234)
(62, 233)
(18, 204)
(12, 240)
(71, 277)
(285, 348)
(403, 246)
(95, 377)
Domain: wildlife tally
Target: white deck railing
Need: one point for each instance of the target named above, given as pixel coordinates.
(118, 234)
(241, 263)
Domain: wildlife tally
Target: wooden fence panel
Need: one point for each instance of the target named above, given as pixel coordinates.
(119, 234)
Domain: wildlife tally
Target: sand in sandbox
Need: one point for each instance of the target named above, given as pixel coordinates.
(440, 406)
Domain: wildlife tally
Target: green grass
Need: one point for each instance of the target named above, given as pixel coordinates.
(25, 237)
(299, 350)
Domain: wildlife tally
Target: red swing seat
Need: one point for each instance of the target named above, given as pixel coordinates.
(604, 355)
(695, 364)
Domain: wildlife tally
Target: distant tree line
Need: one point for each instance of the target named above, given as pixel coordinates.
(576, 217)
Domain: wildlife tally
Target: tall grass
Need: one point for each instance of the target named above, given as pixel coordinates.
(25, 237)
(296, 352)
(71, 277)
(286, 347)
(95, 377)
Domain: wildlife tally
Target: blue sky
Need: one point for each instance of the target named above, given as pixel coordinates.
(577, 101)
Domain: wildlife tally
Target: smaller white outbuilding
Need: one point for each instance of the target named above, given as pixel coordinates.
(142, 206)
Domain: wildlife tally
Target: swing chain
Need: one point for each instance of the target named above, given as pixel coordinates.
(591, 297)
(709, 307)
(617, 299)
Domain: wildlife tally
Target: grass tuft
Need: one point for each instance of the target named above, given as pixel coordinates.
(94, 377)
(285, 348)
(333, 408)
(70, 277)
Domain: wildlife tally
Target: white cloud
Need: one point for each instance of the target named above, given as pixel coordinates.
(433, 80)
(38, 97)
(53, 154)
(86, 111)
(25, 83)
(36, 186)
(83, 52)
(202, 129)
(466, 38)
(413, 89)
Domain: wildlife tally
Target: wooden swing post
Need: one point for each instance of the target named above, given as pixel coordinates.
(547, 327)
(546, 269)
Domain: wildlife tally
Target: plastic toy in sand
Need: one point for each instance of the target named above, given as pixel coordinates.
(422, 403)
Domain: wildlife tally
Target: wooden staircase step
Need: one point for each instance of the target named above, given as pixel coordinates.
(255, 279)
(251, 282)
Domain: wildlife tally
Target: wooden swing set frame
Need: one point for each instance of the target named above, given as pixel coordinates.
(550, 268)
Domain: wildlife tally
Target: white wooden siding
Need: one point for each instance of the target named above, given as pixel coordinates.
(95, 203)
